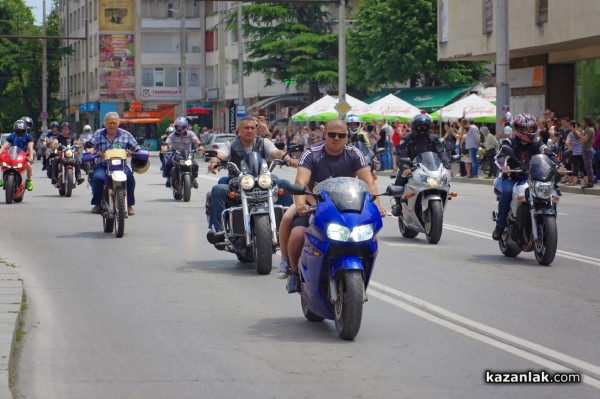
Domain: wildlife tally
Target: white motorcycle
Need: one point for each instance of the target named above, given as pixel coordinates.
(424, 198)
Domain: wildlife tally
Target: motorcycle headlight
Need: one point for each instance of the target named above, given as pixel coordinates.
(433, 182)
(247, 182)
(265, 181)
(362, 233)
(115, 162)
(19, 165)
(69, 154)
(337, 232)
(188, 162)
(543, 189)
(5, 164)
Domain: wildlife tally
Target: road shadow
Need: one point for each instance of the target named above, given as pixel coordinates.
(229, 267)
(296, 329)
(98, 235)
(163, 200)
(401, 240)
(499, 260)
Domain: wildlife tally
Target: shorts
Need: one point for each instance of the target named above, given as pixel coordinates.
(300, 221)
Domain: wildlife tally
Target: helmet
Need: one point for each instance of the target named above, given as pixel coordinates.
(421, 123)
(181, 121)
(87, 128)
(20, 127)
(65, 124)
(170, 130)
(54, 124)
(28, 122)
(140, 161)
(526, 127)
(353, 123)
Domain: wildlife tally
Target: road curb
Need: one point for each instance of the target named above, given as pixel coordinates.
(11, 299)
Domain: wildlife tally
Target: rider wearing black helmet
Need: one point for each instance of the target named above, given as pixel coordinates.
(420, 139)
(49, 138)
(66, 137)
(22, 139)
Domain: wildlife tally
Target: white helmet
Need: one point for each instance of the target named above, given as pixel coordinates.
(87, 128)
(353, 123)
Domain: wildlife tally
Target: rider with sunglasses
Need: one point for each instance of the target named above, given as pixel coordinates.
(332, 158)
(421, 139)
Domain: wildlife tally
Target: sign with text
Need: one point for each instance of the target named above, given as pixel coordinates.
(117, 15)
(116, 67)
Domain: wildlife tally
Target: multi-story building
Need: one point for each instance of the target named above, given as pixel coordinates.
(554, 50)
(131, 63)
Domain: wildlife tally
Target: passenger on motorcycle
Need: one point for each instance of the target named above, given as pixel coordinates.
(421, 139)
(109, 137)
(235, 151)
(332, 158)
(181, 139)
(525, 144)
(50, 135)
(65, 137)
(86, 135)
(353, 123)
(163, 146)
(24, 141)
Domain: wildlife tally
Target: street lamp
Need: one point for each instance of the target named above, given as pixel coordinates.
(182, 50)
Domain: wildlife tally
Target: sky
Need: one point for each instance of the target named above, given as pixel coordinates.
(37, 8)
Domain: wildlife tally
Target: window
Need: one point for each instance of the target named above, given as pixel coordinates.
(159, 77)
(210, 43)
(541, 11)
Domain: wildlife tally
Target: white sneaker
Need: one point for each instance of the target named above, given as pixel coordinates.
(284, 269)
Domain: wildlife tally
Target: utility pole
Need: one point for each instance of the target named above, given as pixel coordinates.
(68, 27)
(502, 61)
(183, 45)
(87, 59)
(341, 53)
(44, 72)
(240, 55)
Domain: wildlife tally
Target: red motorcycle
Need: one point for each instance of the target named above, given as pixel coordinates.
(14, 169)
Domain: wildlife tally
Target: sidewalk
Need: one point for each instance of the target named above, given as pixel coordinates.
(11, 296)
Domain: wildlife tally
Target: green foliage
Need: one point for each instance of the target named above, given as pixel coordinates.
(395, 41)
(163, 125)
(289, 41)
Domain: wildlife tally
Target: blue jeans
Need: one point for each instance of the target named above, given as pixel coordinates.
(219, 199)
(99, 176)
(474, 164)
(504, 202)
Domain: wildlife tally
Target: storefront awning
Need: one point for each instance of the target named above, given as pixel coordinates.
(140, 120)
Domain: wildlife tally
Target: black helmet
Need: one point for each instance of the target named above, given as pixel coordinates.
(65, 124)
(20, 127)
(28, 122)
(421, 123)
(54, 124)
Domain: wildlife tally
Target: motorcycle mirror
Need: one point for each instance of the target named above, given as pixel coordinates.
(381, 151)
(394, 191)
(296, 189)
(405, 160)
(210, 153)
(140, 140)
(506, 150)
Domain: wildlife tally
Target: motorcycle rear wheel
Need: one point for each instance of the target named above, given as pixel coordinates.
(187, 188)
(108, 224)
(433, 226)
(263, 247)
(310, 316)
(120, 212)
(406, 231)
(9, 186)
(545, 246)
(349, 305)
(68, 182)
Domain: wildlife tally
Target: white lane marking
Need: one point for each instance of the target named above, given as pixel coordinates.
(422, 246)
(565, 254)
(539, 354)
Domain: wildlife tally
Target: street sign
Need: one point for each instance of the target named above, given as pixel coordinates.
(44, 116)
(241, 111)
(343, 107)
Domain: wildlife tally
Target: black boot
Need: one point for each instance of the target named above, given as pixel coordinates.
(497, 233)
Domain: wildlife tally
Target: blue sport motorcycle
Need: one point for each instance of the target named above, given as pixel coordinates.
(339, 252)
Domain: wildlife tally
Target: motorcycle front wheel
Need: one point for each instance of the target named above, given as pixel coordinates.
(9, 186)
(263, 247)
(434, 221)
(120, 211)
(187, 188)
(349, 305)
(545, 245)
(68, 182)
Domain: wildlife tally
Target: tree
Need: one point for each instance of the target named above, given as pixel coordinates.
(395, 41)
(290, 41)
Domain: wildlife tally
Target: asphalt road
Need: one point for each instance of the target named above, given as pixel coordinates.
(160, 313)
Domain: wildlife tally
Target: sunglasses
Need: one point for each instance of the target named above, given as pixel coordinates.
(333, 135)
(112, 123)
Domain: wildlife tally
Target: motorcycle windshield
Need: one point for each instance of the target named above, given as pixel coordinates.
(252, 164)
(429, 160)
(346, 193)
(14, 151)
(541, 168)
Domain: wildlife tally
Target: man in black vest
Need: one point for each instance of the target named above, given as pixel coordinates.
(235, 151)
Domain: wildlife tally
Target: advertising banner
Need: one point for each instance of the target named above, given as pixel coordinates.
(117, 15)
(116, 67)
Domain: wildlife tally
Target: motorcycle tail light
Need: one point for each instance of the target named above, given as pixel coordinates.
(520, 198)
(281, 191)
(231, 195)
(216, 147)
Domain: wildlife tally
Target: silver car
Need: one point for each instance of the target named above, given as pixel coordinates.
(216, 141)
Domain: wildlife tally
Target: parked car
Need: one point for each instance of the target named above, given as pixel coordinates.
(216, 142)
